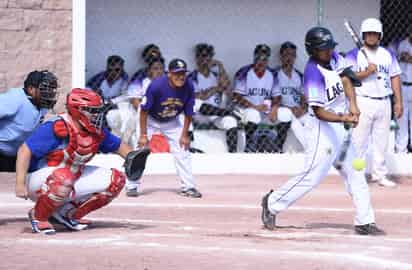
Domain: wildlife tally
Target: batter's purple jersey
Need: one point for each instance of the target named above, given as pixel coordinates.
(164, 103)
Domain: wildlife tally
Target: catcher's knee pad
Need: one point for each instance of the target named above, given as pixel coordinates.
(55, 190)
(101, 199)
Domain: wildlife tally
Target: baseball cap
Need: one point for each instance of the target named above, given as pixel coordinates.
(287, 45)
(177, 65)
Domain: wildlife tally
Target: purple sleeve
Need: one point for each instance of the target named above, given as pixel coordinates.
(188, 107)
(43, 140)
(314, 85)
(352, 59)
(110, 143)
(240, 80)
(148, 98)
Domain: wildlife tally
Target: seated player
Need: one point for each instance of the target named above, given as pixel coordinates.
(211, 83)
(254, 85)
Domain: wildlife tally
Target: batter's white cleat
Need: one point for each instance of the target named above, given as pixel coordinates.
(385, 182)
(268, 219)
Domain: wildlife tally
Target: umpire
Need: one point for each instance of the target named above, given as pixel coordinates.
(21, 111)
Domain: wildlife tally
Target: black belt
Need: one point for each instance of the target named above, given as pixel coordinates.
(407, 83)
(377, 98)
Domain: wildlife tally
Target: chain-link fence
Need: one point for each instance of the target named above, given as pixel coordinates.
(234, 111)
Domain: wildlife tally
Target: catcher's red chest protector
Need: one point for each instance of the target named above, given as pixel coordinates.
(81, 146)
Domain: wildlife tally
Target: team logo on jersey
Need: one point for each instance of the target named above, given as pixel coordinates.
(334, 91)
(258, 92)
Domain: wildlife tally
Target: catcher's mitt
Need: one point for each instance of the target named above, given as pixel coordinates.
(135, 162)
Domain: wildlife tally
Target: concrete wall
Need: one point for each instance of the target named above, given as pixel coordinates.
(234, 26)
(35, 34)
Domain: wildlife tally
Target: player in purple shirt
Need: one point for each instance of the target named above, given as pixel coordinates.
(165, 98)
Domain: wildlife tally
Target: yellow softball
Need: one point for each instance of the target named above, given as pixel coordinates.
(358, 164)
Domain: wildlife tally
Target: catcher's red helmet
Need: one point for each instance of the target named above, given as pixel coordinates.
(87, 108)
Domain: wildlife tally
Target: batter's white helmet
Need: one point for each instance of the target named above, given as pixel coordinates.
(371, 25)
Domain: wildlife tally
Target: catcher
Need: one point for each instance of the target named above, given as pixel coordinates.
(51, 165)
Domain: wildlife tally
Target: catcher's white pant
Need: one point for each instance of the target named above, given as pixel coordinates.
(405, 122)
(373, 129)
(93, 180)
(172, 130)
(324, 141)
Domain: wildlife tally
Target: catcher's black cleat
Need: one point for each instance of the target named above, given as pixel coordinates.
(369, 229)
(70, 224)
(191, 192)
(268, 219)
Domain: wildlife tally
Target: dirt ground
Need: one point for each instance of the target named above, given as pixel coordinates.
(162, 230)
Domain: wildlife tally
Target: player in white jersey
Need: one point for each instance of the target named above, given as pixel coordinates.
(328, 90)
(155, 69)
(380, 79)
(290, 87)
(405, 59)
(253, 85)
(211, 83)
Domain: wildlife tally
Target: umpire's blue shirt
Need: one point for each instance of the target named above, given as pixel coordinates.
(18, 118)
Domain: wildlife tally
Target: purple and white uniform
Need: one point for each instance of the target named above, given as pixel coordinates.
(373, 99)
(255, 90)
(200, 84)
(163, 105)
(323, 88)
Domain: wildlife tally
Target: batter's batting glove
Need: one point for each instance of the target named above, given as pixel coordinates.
(135, 163)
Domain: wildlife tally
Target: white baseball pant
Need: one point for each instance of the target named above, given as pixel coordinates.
(324, 141)
(373, 128)
(93, 180)
(172, 130)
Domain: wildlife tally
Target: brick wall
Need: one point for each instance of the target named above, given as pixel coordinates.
(35, 34)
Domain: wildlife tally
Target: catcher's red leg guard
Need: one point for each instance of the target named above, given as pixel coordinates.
(101, 199)
(55, 190)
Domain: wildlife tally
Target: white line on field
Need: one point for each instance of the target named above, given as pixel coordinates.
(351, 257)
(4, 204)
(210, 231)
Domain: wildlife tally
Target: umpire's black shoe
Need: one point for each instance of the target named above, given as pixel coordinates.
(268, 219)
(191, 192)
(369, 229)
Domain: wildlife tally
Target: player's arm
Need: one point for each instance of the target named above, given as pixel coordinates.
(397, 94)
(206, 93)
(22, 167)
(143, 139)
(371, 69)
(184, 138)
(330, 116)
(224, 81)
(273, 115)
(405, 57)
(351, 96)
